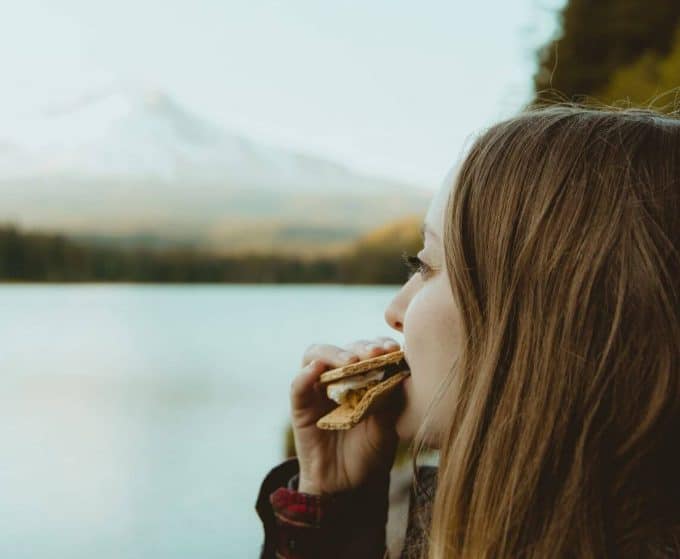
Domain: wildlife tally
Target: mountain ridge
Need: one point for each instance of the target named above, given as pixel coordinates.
(129, 164)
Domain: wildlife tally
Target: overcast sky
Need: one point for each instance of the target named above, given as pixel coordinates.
(388, 87)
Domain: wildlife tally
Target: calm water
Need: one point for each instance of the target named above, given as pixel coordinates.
(138, 421)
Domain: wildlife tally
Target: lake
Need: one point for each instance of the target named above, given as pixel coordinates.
(138, 421)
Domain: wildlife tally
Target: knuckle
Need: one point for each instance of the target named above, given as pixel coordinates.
(313, 351)
(312, 348)
(386, 339)
(295, 385)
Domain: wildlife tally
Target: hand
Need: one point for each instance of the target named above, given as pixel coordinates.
(334, 461)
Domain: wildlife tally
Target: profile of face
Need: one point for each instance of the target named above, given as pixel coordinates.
(424, 311)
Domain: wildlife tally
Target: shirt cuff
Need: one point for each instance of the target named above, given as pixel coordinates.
(297, 509)
(303, 510)
(299, 518)
(293, 482)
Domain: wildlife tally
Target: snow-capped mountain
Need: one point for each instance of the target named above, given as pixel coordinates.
(129, 162)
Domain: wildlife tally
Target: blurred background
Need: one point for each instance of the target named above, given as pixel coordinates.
(193, 192)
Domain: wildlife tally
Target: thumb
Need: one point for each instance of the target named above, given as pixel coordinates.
(381, 425)
(391, 410)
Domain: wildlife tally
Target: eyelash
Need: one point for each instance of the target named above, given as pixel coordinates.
(416, 265)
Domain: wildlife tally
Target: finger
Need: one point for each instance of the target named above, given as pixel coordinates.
(369, 348)
(332, 355)
(387, 343)
(307, 397)
(302, 392)
(306, 392)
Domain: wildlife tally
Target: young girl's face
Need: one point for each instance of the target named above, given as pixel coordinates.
(425, 312)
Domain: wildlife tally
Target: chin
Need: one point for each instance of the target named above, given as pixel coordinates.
(405, 426)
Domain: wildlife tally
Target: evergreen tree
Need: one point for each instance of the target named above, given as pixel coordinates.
(600, 37)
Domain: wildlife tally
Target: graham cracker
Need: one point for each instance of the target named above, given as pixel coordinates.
(361, 366)
(346, 417)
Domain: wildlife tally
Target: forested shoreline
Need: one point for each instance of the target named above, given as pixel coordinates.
(42, 257)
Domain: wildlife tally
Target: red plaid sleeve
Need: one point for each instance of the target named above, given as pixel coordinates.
(343, 525)
(299, 519)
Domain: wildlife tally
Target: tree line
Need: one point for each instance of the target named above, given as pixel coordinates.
(43, 257)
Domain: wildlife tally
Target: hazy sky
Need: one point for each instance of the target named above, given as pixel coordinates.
(386, 86)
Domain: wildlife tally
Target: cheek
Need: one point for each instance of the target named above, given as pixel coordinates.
(431, 340)
(416, 325)
(421, 340)
(429, 329)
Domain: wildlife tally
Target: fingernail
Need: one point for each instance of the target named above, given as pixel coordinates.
(371, 347)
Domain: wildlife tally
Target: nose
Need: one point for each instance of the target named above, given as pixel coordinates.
(394, 313)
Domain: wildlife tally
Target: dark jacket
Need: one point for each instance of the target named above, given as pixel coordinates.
(357, 528)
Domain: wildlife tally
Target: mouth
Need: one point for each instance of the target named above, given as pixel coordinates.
(407, 380)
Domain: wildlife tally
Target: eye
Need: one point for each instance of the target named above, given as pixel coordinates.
(416, 265)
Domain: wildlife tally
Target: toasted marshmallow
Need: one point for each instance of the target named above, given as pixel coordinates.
(338, 390)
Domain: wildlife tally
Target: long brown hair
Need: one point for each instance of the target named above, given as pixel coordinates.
(562, 244)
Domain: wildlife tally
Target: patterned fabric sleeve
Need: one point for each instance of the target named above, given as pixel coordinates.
(299, 519)
(302, 526)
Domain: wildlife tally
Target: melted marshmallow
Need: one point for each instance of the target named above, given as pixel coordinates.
(338, 390)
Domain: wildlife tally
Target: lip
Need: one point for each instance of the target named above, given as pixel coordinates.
(408, 378)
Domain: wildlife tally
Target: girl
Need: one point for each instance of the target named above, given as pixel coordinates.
(542, 329)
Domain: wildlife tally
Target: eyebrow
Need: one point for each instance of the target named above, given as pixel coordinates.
(426, 228)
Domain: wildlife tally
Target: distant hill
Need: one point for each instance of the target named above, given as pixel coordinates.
(137, 168)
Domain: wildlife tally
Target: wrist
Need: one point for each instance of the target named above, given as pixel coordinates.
(305, 486)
